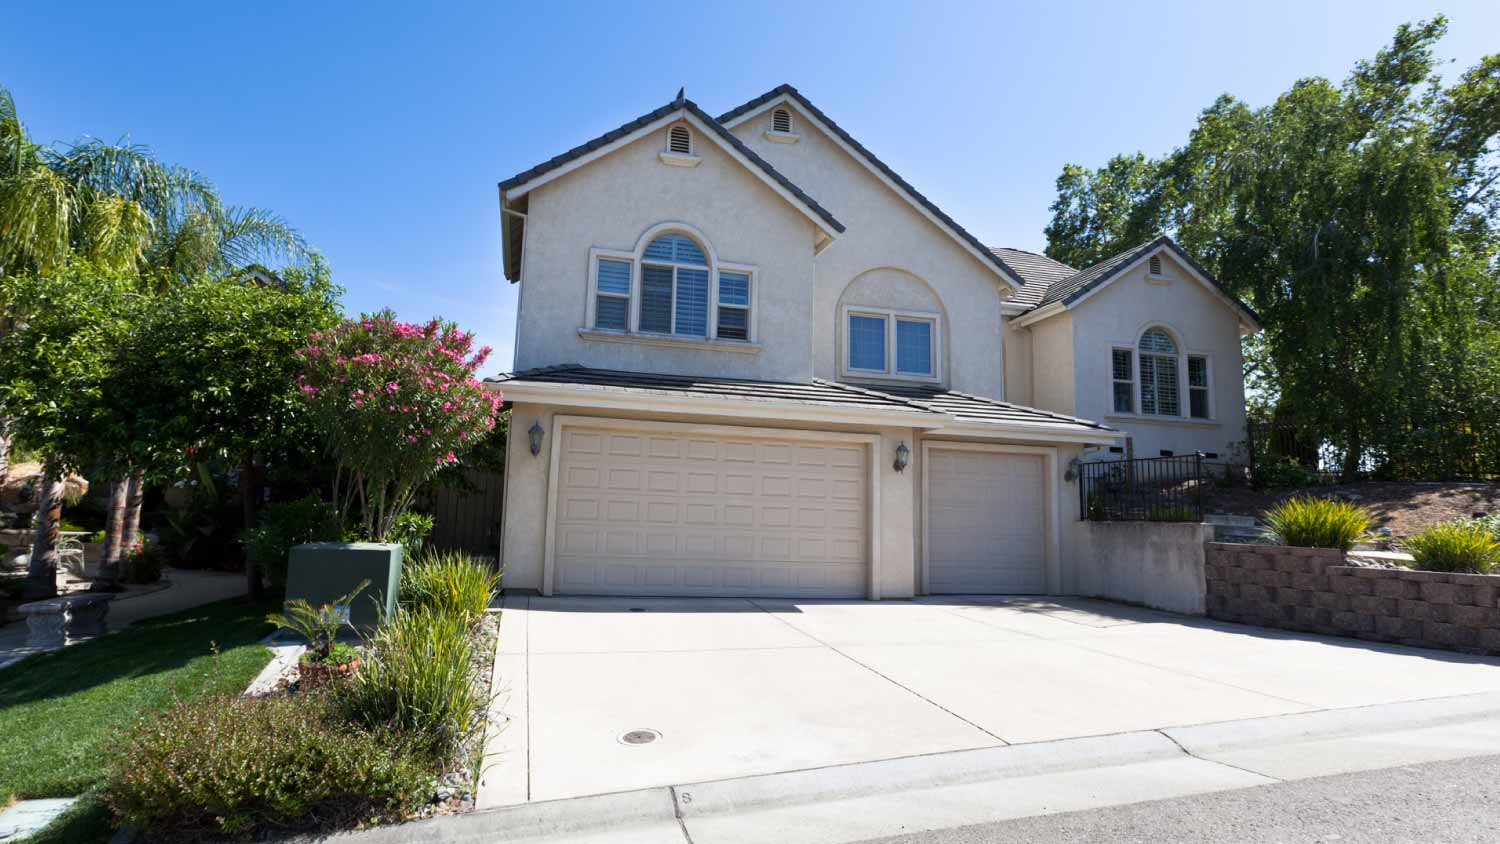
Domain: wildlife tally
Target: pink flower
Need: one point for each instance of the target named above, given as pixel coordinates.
(411, 438)
(309, 389)
(359, 402)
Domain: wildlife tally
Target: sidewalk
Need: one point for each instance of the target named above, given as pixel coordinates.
(188, 589)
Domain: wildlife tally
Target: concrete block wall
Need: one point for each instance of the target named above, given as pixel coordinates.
(1311, 590)
(1153, 564)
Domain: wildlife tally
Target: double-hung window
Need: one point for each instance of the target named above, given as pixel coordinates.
(1122, 365)
(891, 344)
(1197, 367)
(671, 287)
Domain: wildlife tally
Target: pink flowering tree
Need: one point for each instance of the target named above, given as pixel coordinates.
(397, 402)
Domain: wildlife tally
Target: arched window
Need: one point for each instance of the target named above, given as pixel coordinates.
(672, 285)
(1159, 393)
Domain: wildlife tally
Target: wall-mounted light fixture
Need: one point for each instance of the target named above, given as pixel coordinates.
(534, 437)
(1073, 466)
(903, 454)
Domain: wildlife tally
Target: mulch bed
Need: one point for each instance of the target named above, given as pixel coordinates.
(1404, 507)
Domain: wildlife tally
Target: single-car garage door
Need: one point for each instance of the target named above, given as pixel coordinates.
(657, 512)
(985, 523)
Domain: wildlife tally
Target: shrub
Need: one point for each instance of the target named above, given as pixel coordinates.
(1172, 513)
(1308, 522)
(450, 583)
(415, 679)
(411, 530)
(143, 563)
(1284, 474)
(318, 625)
(283, 525)
(1489, 524)
(1465, 546)
(229, 765)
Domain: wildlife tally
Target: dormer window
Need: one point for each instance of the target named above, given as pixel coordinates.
(680, 140)
(781, 121)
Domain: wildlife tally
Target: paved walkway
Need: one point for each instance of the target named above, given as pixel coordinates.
(605, 695)
(188, 589)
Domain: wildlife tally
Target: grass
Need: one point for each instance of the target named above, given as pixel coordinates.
(1308, 522)
(1455, 547)
(61, 712)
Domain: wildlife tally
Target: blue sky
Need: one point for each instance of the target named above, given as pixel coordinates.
(381, 131)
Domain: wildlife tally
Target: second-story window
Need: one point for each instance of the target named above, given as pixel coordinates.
(890, 344)
(672, 286)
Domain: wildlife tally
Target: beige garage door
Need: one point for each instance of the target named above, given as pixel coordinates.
(985, 523)
(663, 513)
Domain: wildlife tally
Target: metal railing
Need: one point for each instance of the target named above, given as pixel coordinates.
(1150, 489)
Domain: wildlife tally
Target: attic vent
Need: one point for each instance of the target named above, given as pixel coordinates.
(1155, 265)
(781, 120)
(680, 140)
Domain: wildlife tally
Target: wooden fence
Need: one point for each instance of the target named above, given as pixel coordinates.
(469, 519)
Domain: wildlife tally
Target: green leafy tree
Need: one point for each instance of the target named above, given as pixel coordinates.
(214, 374)
(1360, 219)
(58, 367)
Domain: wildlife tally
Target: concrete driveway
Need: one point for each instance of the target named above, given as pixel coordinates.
(743, 687)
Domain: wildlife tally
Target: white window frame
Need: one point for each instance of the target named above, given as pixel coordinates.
(1135, 398)
(1207, 388)
(890, 316)
(636, 259)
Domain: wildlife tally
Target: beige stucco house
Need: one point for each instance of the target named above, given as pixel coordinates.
(752, 360)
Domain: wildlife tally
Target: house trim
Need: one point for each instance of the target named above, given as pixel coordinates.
(1051, 531)
(560, 423)
(890, 315)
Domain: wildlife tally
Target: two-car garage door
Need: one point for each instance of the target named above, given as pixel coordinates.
(659, 511)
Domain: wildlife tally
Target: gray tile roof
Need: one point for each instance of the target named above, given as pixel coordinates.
(1038, 272)
(963, 233)
(1049, 281)
(656, 114)
(948, 404)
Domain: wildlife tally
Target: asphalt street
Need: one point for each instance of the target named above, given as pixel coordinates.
(1453, 802)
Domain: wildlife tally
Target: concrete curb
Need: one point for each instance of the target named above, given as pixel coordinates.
(914, 772)
(529, 821)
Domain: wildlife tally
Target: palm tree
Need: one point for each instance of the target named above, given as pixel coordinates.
(121, 208)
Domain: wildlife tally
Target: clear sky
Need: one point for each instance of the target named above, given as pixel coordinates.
(380, 129)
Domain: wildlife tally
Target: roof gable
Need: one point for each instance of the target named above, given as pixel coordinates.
(1051, 292)
(520, 185)
(925, 206)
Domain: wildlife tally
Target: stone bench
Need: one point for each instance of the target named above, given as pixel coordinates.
(58, 622)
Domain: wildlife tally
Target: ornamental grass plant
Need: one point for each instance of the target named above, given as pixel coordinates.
(1308, 522)
(449, 582)
(1462, 546)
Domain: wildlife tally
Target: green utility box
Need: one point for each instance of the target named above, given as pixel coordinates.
(323, 572)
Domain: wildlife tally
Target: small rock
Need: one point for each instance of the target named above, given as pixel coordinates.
(443, 795)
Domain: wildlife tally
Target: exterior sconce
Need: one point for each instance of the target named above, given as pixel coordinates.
(903, 454)
(1073, 466)
(534, 438)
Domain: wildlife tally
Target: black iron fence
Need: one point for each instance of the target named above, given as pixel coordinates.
(1151, 489)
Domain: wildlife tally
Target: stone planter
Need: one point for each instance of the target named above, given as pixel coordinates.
(1311, 590)
(323, 572)
(315, 675)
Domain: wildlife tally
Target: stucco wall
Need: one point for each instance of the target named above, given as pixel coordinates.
(1117, 315)
(610, 204)
(1018, 365)
(1052, 350)
(1155, 564)
(523, 545)
(884, 231)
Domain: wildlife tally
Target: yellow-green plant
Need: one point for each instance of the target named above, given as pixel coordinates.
(1308, 522)
(318, 625)
(1454, 546)
(449, 582)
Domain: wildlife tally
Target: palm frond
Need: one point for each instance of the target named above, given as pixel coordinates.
(117, 232)
(36, 217)
(256, 236)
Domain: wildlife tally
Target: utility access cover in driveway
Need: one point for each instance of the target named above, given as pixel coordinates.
(736, 687)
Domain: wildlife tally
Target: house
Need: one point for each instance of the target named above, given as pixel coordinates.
(752, 360)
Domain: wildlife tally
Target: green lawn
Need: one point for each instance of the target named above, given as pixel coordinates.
(60, 712)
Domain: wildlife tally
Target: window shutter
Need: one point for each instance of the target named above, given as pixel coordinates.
(656, 299)
(614, 277)
(692, 302)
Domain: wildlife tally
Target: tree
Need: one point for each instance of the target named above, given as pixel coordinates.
(1361, 221)
(214, 373)
(57, 367)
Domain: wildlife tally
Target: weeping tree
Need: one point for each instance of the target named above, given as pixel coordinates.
(58, 367)
(1362, 220)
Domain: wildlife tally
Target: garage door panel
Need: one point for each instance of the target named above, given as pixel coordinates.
(735, 516)
(986, 523)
